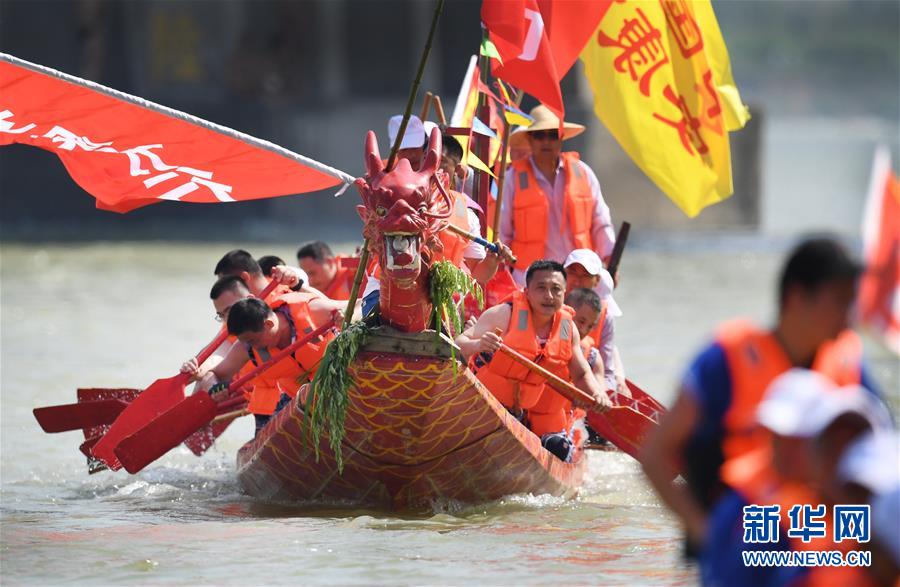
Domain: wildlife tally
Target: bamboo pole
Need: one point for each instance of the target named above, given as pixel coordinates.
(501, 175)
(364, 254)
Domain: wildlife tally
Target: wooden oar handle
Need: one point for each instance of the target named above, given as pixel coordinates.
(288, 350)
(493, 247)
(229, 416)
(220, 338)
(618, 249)
(439, 109)
(565, 389)
(426, 104)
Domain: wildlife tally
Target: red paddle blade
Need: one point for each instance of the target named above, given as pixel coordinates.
(167, 431)
(624, 427)
(91, 394)
(200, 441)
(81, 415)
(156, 399)
(641, 401)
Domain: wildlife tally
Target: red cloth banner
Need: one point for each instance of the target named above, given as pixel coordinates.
(878, 300)
(128, 152)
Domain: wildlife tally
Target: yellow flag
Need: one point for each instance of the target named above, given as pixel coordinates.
(663, 87)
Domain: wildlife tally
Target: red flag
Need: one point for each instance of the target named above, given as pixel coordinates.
(539, 41)
(128, 152)
(570, 24)
(527, 58)
(879, 289)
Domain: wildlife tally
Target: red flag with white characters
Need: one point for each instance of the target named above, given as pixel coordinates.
(527, 61)
(879, 289)
(128, 152)
(539, 41)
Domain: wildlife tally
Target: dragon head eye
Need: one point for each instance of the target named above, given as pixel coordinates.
(423, 209)
(381, 211)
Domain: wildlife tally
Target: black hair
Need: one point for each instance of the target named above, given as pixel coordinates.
(268, 262)
(247, 315)
(452, 148)
(583, 296)
(235, 262)
(817, 261)
(226, 283)
(543, 265)
(317, 250)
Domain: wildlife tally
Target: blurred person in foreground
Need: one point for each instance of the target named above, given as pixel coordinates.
(713, 419)
(808, 422)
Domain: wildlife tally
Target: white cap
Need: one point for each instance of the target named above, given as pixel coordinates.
(872, 461)
(417, 132)
(885, 526)
(850, 399)
(789, 399)
(593, 265)
(587, 259)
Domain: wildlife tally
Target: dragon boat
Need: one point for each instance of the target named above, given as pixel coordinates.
(419, 427)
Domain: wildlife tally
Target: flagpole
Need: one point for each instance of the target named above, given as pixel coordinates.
(481, 187)
(501, 175)
(413, 91)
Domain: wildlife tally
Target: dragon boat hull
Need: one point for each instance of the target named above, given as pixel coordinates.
(416, 432)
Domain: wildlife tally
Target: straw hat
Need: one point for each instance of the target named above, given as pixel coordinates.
(544, 119)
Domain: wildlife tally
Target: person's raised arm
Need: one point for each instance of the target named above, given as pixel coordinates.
(481, 337)
(660, 458)
(236, 358)
(582, 376)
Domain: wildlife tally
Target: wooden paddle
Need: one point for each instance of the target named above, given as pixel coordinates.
(186, 417)
(65, 417)
(623, 426)
(159, 396)
(616, 257)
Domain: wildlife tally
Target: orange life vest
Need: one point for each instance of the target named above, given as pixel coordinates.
(340, 286)
(454, 244)
(514, 385)
(753, 476)
(287, 375)
(755, 358)
(531, 209)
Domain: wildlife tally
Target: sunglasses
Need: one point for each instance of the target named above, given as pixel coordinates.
(541, 135)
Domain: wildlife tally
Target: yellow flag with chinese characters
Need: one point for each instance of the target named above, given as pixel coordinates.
(663, 87)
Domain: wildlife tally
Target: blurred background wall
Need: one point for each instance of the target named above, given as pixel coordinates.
(822, 79)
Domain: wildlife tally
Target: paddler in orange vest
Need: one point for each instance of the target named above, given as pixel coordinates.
(537, 324)
(325, 271)
(262, 331)
(807, 421)
(552, 202)
(713, 419)
(242, 265)
(584, 269)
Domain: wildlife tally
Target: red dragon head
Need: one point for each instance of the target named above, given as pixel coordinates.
(402, 211)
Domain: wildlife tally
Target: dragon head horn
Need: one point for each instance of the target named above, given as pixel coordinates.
(374, 164)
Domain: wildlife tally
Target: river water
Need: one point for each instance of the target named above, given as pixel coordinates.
(123, 315)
